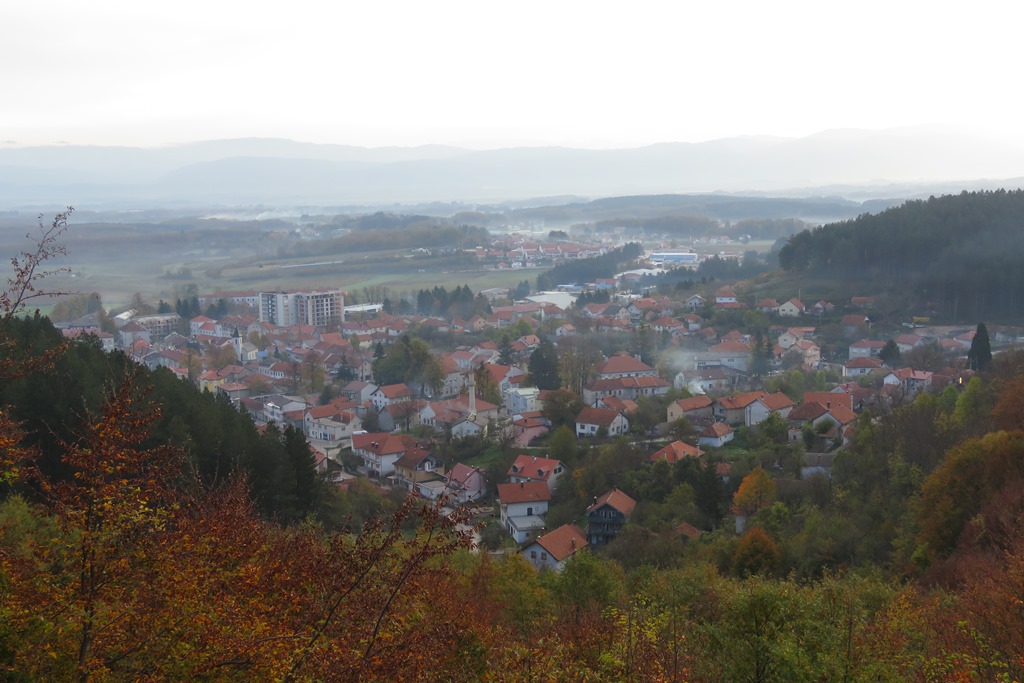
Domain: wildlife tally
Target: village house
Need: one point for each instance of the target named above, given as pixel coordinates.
(693, 408)
(329, 423)
(465, 483)
(751, 408)
(389, 394)
(358, 391)
(421, 473)
(522, 507)
(594, 421)
(522, 400)
(866, 348)
(531, 468)
(624, 365)
(827, 418)
(552, 550)
(793, 308)
(860, 366)
(911, 381)
(674, 452)
(528, 427)
(908, 342)
(854, 324)
(716, 435)
(460, 417)
(380, 451)
(731, 354)
(627, 388)
(607, 515)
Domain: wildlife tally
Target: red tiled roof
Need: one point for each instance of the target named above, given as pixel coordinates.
(717, 430)
(524, 492)
(616, 499)
(603, 417)
(676, 451)
(623, 363)
(563, 541)
(693, 403)
(534, 467)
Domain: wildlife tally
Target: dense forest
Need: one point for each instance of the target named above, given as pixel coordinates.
(961, 253)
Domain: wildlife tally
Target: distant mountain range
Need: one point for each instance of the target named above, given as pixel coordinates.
(271, 172)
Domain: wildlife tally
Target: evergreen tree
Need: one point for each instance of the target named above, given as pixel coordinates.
(890, 353)
(505, 350)
(980, 355)
(761, 356)
(543, 366)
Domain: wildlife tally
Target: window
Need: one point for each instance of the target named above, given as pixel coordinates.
(533, 554)
(544, 556)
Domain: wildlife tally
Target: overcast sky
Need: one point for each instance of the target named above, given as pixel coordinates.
(491, 74)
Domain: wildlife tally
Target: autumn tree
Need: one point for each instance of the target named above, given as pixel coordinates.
(756, 491)
(756, 553)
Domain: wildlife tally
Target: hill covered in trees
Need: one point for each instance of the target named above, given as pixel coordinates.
(961, 254)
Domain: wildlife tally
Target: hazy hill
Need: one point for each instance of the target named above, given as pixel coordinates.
(269, 171)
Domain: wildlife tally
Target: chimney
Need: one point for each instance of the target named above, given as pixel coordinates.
(572, 542)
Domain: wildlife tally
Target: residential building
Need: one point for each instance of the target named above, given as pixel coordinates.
(607, 515)
(552, 550)
(531, 468)
(523, 507)
(591, 421)
(466, 484)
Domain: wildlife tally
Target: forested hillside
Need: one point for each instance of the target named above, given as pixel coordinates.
(55, 403)
(961, 252)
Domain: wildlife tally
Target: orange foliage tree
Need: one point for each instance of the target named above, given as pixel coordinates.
(756, 491)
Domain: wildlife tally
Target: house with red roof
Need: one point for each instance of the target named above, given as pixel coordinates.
(793, 308)
(866, 348)
(462, 416)
(388, 394)
(630, 388)
(529, 427)
(523, 507)
(693, 408)
(716, 435)
(860, 366)
(911, 381)
(380, 451)
(751, 408)
(330, 423)
(531, 468)
(607, 515)
(552, 550)
(422, 473)
(465, 483)
(624, 365)
(594, 421)
(674, 452)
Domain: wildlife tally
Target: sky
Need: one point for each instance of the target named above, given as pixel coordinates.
(498, 74)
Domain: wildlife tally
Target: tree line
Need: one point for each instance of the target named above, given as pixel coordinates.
(961, 252)
(589, 270)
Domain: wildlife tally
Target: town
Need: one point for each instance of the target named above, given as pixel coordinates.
(467, 404)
